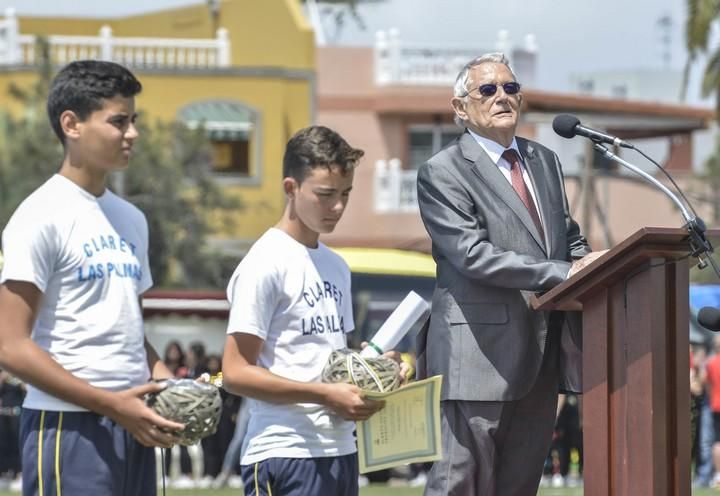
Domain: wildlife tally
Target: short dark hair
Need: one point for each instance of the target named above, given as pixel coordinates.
(318, 146)
(81, 87)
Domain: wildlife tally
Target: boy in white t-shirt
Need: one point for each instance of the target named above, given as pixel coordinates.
(290, 306)
(75, 266)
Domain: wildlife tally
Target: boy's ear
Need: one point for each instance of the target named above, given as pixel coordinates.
(70, 124)
(290, 186)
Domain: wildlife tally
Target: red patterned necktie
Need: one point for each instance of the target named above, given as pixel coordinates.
(518, 184)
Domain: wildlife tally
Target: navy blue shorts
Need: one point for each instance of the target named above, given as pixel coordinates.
(82, 454)
(327, 476)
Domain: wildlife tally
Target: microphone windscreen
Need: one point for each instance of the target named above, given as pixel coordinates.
(564, 125)
(709, 318)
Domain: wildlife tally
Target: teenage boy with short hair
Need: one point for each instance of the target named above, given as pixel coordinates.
(290, 307)
(75, 266)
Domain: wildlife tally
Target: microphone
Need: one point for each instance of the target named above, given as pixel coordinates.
(568, 126)
(700, 247)
(709, 318)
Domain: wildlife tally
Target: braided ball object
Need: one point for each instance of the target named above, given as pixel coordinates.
(371, 374)
(195, 404)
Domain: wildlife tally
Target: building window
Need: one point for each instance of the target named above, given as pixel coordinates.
(231, 157)
(426, 141)
(586, 86)
(232, 130)
(619, 91)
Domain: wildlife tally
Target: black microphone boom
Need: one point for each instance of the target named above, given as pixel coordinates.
(709, 318)
(568, 126)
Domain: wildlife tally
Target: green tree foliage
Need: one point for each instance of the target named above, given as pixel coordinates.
(169, 179)
(340, 10)
(702, 16)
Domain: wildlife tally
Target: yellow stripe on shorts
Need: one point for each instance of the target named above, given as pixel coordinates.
(40, 453)
(57, 454)
(257, 485)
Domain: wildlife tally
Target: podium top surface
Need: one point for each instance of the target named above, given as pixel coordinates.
(648, 243)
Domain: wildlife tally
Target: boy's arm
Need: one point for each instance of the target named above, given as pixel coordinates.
(243, 377)
(19, 302)
(158, 369)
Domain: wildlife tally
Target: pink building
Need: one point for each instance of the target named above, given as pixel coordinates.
(394, 102)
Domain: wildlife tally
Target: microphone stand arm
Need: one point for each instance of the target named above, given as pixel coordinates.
(700, 246)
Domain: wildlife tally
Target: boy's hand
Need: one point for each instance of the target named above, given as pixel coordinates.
(347, 401)
(150, 429)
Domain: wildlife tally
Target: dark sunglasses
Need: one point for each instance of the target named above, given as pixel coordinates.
(490, 89)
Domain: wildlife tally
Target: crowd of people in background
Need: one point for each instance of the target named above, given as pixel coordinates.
(705, 413)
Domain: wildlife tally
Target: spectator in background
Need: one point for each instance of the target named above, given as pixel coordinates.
(705, 430)
(713, 388)
(12, 392)
(175, 359)
(196, 360)
(189, 473)
(213, 364)
(214, 446)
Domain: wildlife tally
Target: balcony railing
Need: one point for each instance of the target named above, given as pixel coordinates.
(394, 188)
(172, 53)
(398, 62)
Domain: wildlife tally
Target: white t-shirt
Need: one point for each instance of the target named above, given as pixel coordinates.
(297, 299)
(88, 256)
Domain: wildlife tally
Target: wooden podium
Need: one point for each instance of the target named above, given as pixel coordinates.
(636, 405)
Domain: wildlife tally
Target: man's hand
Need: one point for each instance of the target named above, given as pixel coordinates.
(578, 265)
(150, 429)
(347, 401)
(397, 357)
(404, 367)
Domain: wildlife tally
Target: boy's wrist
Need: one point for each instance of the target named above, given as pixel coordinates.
(318, 392)
(105, 403)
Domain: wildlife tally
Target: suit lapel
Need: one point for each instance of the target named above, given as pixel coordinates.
(488, 172)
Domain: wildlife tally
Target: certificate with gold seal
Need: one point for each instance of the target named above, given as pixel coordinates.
(407, 430)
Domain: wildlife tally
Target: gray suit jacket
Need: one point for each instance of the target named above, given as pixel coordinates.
(482, 335)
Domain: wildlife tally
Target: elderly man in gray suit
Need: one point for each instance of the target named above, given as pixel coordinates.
(497, 214)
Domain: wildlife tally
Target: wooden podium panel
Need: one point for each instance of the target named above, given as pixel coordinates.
(636, 405)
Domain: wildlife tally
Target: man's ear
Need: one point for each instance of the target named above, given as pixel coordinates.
(70, 124)
(458, 106)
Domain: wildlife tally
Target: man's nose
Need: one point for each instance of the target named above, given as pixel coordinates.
(501, 95)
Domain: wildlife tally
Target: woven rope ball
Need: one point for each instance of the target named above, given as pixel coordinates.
(371, 374)
(195, 404)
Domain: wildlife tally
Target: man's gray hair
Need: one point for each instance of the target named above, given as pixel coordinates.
(460, 89)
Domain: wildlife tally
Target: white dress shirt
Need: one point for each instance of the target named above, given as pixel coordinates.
(495, 151)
